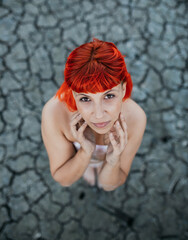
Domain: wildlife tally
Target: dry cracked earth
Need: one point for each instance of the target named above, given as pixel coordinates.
(35, 39)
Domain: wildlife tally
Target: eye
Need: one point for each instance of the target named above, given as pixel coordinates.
(109, 96)
(84, 99)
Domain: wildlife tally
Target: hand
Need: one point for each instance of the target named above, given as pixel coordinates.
(118, 140)
(78, 133)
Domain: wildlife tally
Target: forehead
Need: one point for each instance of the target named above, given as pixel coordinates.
(116, 88)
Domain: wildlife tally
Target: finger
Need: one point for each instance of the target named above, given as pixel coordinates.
(121, 134)
(126, 137)
(124, 125)
(75, 115)
(76, 120)
(112, 140)
(73, 125)
(81, 130)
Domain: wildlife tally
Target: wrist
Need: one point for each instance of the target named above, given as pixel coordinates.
(85, 154)
(113, 162)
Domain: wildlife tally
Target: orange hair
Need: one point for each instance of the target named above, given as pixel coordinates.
(93, 67)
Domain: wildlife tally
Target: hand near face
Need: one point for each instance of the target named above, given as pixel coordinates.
(118, 140)
(78, 133)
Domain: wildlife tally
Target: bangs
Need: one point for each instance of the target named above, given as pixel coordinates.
(93, 84)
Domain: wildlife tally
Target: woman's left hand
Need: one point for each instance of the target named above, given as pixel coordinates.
(118, 140)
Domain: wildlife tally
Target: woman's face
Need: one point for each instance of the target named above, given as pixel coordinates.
(101, 110)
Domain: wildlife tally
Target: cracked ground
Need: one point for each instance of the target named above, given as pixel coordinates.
(36, 37)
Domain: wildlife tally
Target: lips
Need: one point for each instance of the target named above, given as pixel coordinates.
(101, 125)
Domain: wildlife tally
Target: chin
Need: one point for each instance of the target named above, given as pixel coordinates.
(101, 131)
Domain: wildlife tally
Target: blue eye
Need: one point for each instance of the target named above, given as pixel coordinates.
(84, 99)
(109, 96)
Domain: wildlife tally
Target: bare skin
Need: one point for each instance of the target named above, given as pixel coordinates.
(62, 117)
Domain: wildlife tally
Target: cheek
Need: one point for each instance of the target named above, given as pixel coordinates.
(114, 110)
(83, 111)
(115, 107)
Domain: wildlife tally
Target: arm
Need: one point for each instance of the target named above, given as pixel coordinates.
(73, 169)
(66, 165)
(112, 177)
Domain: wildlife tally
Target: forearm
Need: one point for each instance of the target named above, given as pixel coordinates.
(73, 169)
(111, 177)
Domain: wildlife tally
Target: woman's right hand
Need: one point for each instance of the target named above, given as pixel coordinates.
(78, 133)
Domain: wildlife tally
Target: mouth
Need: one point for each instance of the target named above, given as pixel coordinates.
(101, 125)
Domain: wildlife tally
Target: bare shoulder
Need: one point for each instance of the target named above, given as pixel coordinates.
(134, 109)
(135, 116)
(55, 111)
(51, 107)
(56, 115)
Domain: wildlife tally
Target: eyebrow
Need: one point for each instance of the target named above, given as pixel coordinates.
(103, 93)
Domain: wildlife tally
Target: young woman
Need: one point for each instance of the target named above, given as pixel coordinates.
(92, 125)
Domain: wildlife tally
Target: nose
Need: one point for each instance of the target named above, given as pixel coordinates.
(99, 111)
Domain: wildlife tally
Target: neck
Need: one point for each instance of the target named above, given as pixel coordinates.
(100, 139)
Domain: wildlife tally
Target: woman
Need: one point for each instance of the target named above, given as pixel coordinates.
(92, 123)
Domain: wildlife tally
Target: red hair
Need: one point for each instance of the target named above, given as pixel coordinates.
(93, 67)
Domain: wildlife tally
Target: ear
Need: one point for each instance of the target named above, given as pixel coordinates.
(124, 88)
(73, 93)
